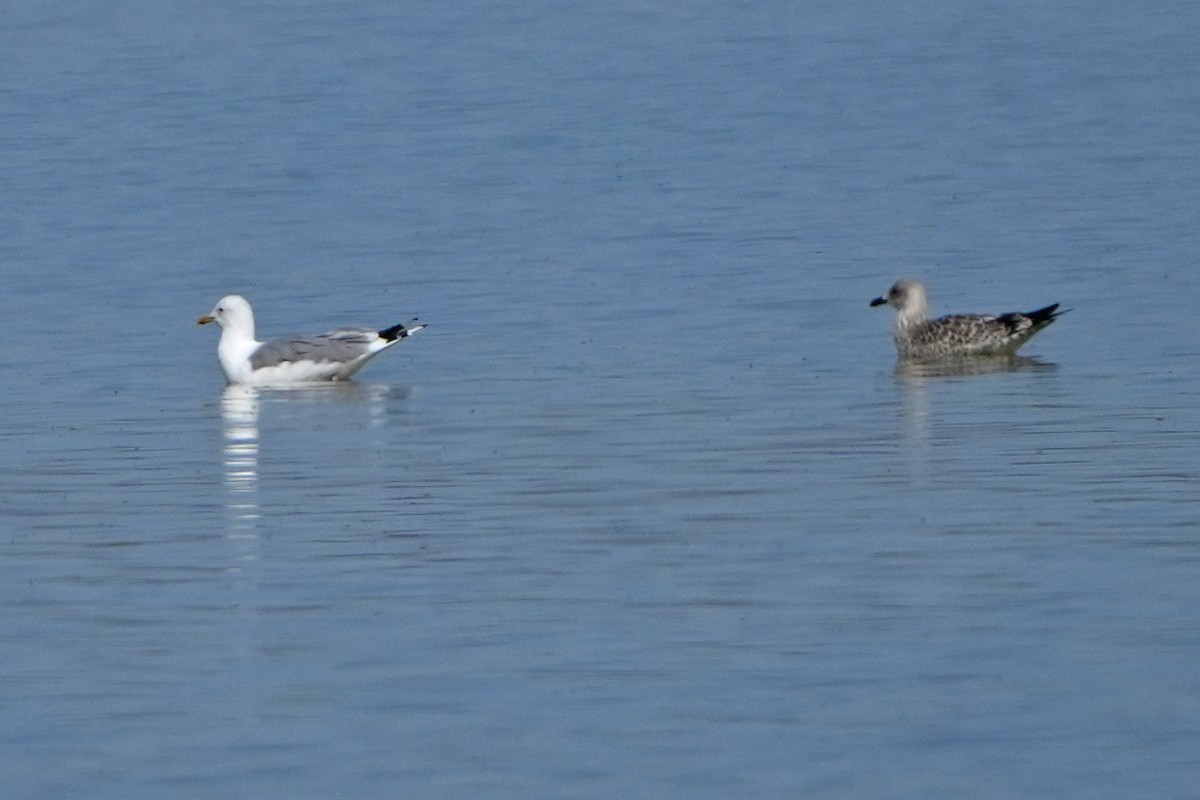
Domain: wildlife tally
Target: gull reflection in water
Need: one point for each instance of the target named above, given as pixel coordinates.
(918, 373)
(239, 412)
(372, 397)
(916, 377)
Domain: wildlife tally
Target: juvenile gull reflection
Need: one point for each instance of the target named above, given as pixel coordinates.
(917, 373)
(915, 408)
(916, 378)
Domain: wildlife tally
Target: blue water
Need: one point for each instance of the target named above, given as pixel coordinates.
(648, 510)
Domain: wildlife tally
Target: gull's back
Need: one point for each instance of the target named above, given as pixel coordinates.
(341, 346)
(972, 334)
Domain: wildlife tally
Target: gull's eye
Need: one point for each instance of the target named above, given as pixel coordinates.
(220, 310)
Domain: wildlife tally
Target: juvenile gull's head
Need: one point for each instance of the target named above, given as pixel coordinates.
(908, 298)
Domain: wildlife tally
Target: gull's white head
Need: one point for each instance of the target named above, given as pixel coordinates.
(232, 313)
(908, 298)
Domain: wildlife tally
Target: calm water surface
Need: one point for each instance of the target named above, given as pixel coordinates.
(648, 510)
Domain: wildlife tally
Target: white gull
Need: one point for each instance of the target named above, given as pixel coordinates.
(919, 337)
(332, 356)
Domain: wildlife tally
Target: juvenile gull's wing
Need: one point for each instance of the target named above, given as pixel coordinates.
(340, 346)
(978, 334)
(961, 332)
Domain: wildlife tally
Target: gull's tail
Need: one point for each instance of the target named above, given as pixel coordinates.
(400, 331)
(1021, 326)
(1043, 317)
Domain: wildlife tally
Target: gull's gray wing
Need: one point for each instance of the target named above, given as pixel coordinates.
(340, 347)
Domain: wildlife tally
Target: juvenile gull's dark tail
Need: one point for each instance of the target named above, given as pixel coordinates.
(1044, 316)
(1037, 319)
(400, 331)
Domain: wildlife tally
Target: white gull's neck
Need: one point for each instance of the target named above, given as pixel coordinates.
(234, 349)
(914, 311)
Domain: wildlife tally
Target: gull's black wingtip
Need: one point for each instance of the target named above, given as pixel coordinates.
(1047, 314)
(402, 330)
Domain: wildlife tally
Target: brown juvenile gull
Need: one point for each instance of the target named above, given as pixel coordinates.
(332, 356)
(919, 337)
